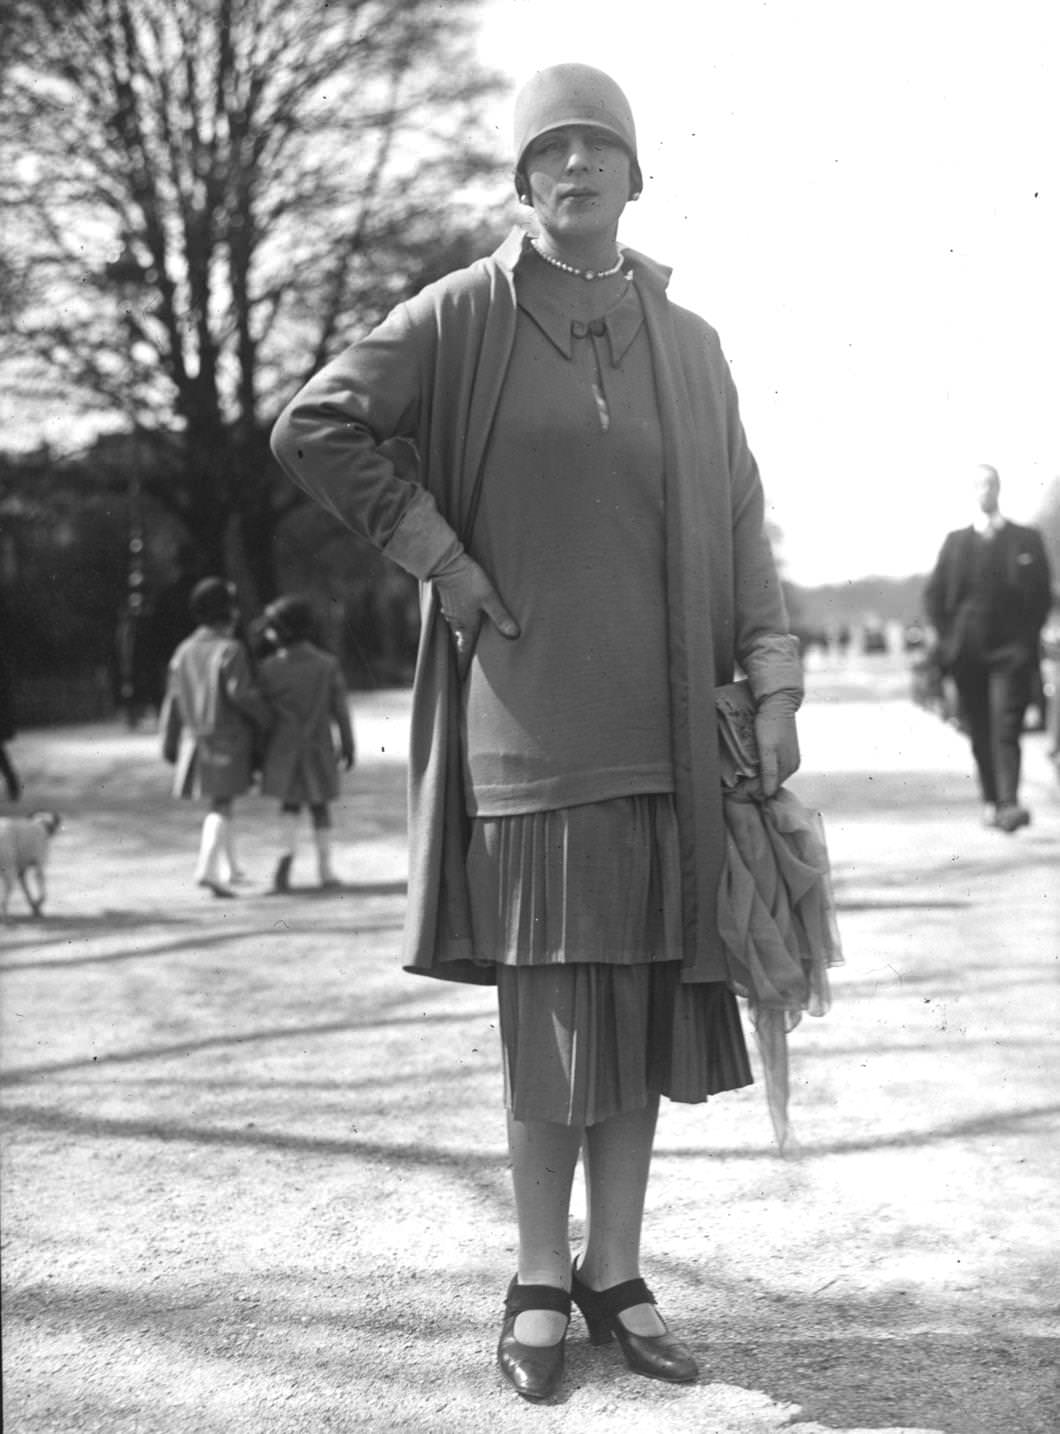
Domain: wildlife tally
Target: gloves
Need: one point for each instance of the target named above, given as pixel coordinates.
(778, 741)
(466, 596)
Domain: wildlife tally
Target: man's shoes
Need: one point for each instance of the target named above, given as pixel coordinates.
(1011, 818)
(281, 877)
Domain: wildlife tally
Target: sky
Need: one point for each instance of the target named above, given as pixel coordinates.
(863, 198)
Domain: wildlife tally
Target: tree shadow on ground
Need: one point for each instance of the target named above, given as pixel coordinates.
(200, 941)
(110, 918)
(884, 1360)
(231, 1040)
(998, 1123)
(968, 1384)
(64, 931)
(346, 889)
(409, 1155)
(1014, 1122)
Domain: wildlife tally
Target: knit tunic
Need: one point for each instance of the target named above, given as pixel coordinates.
(571, 527)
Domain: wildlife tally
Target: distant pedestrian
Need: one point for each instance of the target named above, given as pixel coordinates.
(213, 711)
(12, 781)
(307, 695)
(988, 599)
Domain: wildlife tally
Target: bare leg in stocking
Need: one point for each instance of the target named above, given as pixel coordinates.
(544, 1156)
(617, 1164)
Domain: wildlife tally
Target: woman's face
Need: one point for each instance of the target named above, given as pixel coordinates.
(579, 181)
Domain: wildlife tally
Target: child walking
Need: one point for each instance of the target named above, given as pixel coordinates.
(211, 717)
(306, 692)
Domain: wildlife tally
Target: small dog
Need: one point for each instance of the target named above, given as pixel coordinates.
(24, 850)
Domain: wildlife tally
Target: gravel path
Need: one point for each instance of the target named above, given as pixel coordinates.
(254, 1176)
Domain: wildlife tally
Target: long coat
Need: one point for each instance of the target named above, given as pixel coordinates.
(212, 714)
(432, 373)
(305, 691)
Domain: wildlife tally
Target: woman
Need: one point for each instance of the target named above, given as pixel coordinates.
(589, 527)
(212, 713)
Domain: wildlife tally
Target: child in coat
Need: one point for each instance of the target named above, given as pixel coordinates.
(306, 692)
(212, 715)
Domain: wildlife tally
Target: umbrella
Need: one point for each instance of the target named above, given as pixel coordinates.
(776, 910)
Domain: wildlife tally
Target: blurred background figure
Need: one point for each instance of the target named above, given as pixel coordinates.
(988, 599)
(213, 712)
(1051, 680)
(307, 695)
(7, 710)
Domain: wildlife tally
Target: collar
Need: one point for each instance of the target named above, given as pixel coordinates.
(620, 325)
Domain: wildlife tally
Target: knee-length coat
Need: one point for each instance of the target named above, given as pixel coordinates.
(212, 715)
(432, 373)
(306, 693)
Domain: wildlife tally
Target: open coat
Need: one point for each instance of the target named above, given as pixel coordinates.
(432, 374)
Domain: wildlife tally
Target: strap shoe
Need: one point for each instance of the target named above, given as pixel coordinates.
(658, 1356)
(534, 1371)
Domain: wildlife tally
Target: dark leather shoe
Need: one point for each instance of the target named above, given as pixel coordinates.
(534, 1371)
(1012, 817)
(658, 1356)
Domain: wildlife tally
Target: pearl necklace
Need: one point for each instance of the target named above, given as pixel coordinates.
(579, 273)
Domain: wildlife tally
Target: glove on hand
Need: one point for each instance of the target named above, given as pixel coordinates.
(466, 596)
(778, 741)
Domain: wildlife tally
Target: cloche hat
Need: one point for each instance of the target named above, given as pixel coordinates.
(573, 94)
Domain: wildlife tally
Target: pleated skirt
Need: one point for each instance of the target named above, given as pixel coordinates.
(581, 909)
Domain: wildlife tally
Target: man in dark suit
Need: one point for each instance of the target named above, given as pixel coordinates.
(988, 599)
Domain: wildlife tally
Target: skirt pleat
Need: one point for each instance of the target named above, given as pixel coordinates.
(580, 908)
(599, 882)
(585, 1042)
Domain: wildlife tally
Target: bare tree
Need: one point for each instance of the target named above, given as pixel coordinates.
(203, 198)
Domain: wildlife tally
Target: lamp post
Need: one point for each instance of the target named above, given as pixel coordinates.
(132, 620)
(126, 274)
